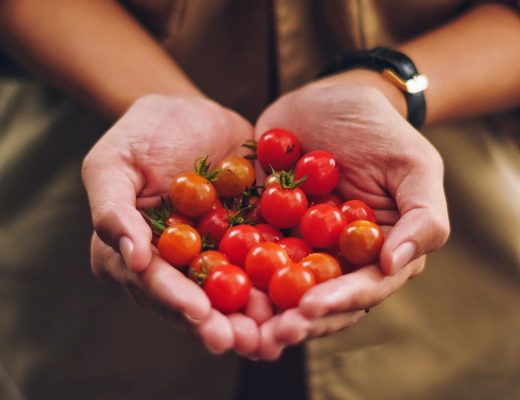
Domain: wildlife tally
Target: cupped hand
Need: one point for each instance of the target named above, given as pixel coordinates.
(129, 168)
(386, 163)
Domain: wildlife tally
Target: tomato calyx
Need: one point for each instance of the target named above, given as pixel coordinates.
(238, 218)
(208, 243)
(251, 146)
(202, 167)
(287, 179)
(157, 216)
(244, 201)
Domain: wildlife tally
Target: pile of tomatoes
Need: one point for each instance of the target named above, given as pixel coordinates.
(283, 237)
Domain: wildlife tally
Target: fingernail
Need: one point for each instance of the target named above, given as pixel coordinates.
(192, 320)
(126, 248)
(402, 256)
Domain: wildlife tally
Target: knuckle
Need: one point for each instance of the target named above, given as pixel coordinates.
(438, 227)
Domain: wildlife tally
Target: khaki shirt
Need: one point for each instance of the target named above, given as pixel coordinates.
(452, 333)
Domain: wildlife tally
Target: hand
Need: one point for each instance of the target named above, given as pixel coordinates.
(130, 168)
(386, 163)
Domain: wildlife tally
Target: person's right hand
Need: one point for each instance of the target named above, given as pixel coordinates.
(129, 168)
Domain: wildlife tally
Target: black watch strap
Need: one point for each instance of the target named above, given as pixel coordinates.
(396, 67)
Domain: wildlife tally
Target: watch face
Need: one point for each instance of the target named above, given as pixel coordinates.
(419, 83)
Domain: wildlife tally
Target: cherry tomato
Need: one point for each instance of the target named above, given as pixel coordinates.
(269, 233)
(356, 210)
(262, 261)
(283, 208)
(228, 288)
(321, 225)
(330, 198)
(288, 284)
(270, 179)
(191, 194)
(278, 149)
(322, 265)
(214, 224)
(179, 244)
(176, 218)
(322, 172)
(295, 247)
(360, 242)
(236, 173)
(237, 242)
(201, 266)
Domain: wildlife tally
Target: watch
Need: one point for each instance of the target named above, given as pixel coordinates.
(395, 67)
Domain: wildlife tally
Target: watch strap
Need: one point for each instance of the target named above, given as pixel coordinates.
(381, 59)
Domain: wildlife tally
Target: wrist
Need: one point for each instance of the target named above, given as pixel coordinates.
(374, 79)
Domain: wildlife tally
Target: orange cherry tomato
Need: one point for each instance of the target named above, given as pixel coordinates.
(288, 284)
(270, 179)
(322, 265)
(191, 194)
(236, 174)
(360, 242)
(201, 265)
(179, 244)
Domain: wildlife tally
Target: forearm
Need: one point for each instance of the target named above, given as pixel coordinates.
(91, 48)
(472, 64)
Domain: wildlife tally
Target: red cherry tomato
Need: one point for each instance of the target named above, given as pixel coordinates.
(322, 172)
(322, 265)
(330, 198)
(321, 225)
(236, 174)
(356, 210)
(269, 233)
(295, 247)
(263, 260)
(201, 266)
(278, 149)
(179, 244)
(214, 224)
(191, 194)
(360, 242)
(176, 218)
(289, 284)
(237, 242)
(283, 208)
(228, 288)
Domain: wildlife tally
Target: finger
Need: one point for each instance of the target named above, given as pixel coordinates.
(160, 282)
(259, 306)
(269, 348)
(293, 327)
(424, 224)
(246, 333)
(112, 186)
(216, 332)
(358, 290)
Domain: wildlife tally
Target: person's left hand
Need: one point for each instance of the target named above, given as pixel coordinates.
(387, 164)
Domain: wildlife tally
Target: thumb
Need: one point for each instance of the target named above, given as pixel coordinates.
(112, 187)
(424, 224)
